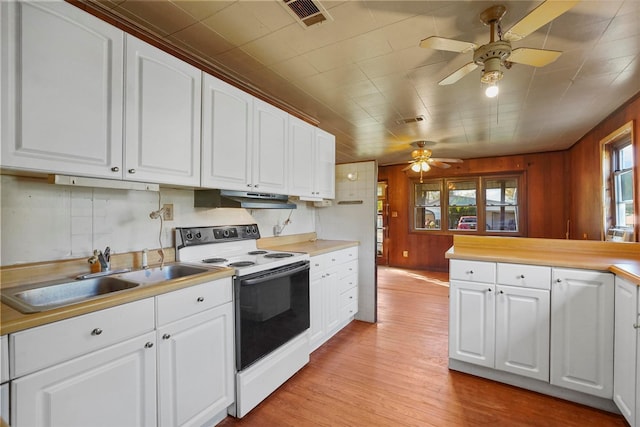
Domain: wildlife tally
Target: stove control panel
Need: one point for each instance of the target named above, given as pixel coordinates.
(191, 236)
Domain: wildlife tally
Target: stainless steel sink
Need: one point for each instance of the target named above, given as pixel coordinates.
(168, 272)
(47, 296)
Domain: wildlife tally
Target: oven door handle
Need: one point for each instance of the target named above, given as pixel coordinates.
(276, 275)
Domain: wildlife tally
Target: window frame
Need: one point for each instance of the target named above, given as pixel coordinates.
(480, 182)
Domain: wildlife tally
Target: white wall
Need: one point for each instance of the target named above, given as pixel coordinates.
(44, 222)
(356, 222)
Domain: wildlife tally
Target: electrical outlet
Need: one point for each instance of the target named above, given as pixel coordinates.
(168, 212)
(405, 254)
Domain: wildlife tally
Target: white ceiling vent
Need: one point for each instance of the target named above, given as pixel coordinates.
(307, 12)
(408, 120)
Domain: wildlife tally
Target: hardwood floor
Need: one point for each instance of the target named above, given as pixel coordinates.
(394, 373)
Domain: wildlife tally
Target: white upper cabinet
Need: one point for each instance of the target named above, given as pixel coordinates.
(312, 155)
(62, 85)
(227, 117)
(270, 149)
(162, 116)
(326, 164)
(302, 158)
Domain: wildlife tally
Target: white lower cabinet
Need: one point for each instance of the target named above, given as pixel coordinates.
(582, 307)
(333, 293)
(505, 327)
(114, 386)
(196, 361)
(625, 363)
(162, 361)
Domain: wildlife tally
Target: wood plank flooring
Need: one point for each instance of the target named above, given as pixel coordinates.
(394, 373)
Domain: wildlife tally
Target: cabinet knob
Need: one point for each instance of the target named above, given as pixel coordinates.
(248, 185)
(200, 299)
(470, 272)
(132, 171)
(489, 290)
(636, 326)
(558, 280)
(148, 345)
(96, 331)
(256, 186)
(166, 336)
(521, 276)
(501, 292)
(115, 169)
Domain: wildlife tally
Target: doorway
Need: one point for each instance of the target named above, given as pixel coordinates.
(382, 225)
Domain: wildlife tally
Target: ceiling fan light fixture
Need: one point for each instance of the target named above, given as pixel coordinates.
(424, 166)
(491, 91)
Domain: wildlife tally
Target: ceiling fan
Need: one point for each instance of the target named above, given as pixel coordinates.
(422, 160)
(498, 53)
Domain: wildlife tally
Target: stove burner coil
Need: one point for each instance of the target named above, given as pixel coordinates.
(278, 255)
(241, 264)
(257, 253)
(214, 260)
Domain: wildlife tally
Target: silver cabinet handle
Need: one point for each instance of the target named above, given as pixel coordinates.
(166, 336)
(558, 280)
(148, 345)
(132, 171)
(96, 331)
(115, 169)
(200, 299)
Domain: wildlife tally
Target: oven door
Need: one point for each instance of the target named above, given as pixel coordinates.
(272, 307)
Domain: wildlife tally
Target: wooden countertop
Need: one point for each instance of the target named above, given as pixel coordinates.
(12, 320)
(307, 243)
(620, 258)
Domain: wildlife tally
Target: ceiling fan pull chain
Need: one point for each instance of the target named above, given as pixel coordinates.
(499, 31)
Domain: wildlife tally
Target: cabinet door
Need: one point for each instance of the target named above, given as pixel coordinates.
(162, 110)
(325, 165)
(196, 367)
(115, 386)
(61, 90)
(331, 290)
(270, 149)
(472, 322)
(582, 331)
(522, 331)
(316, 315)
(625, 339)
(302, 158)
(227, 125)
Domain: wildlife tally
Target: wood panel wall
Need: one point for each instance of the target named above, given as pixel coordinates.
(562, 193)
(586, 183)
(546, 211)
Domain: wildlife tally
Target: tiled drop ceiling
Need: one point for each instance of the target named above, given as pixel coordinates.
(361, 74)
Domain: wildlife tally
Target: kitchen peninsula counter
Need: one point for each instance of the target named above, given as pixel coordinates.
(622, 259)
(307, 242)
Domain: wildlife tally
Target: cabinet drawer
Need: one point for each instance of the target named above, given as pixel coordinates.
(348, 298)
(348, 282)
(195, 299)
(46, 345)
(319, 263)
(342, 256)
(530, 276)
(4, 358)
(472, 271)
(349, 268)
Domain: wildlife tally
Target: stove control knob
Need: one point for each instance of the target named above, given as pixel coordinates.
(254, 229)
(198, 235)
(188, 236)
(225, 233)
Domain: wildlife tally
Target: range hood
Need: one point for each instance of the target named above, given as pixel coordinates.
(240, 199)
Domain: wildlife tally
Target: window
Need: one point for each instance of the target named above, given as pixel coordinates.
(427, 214)
(619, 197)
(622, 166)
(478, 205)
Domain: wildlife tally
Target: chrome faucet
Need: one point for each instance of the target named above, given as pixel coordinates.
(105, 259)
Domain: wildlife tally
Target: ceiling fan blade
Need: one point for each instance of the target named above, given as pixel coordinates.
(541, 15)
(440, 43)
(440, 159)
(533, 57)
(407, 168)
(439, 164)
(458, 74)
